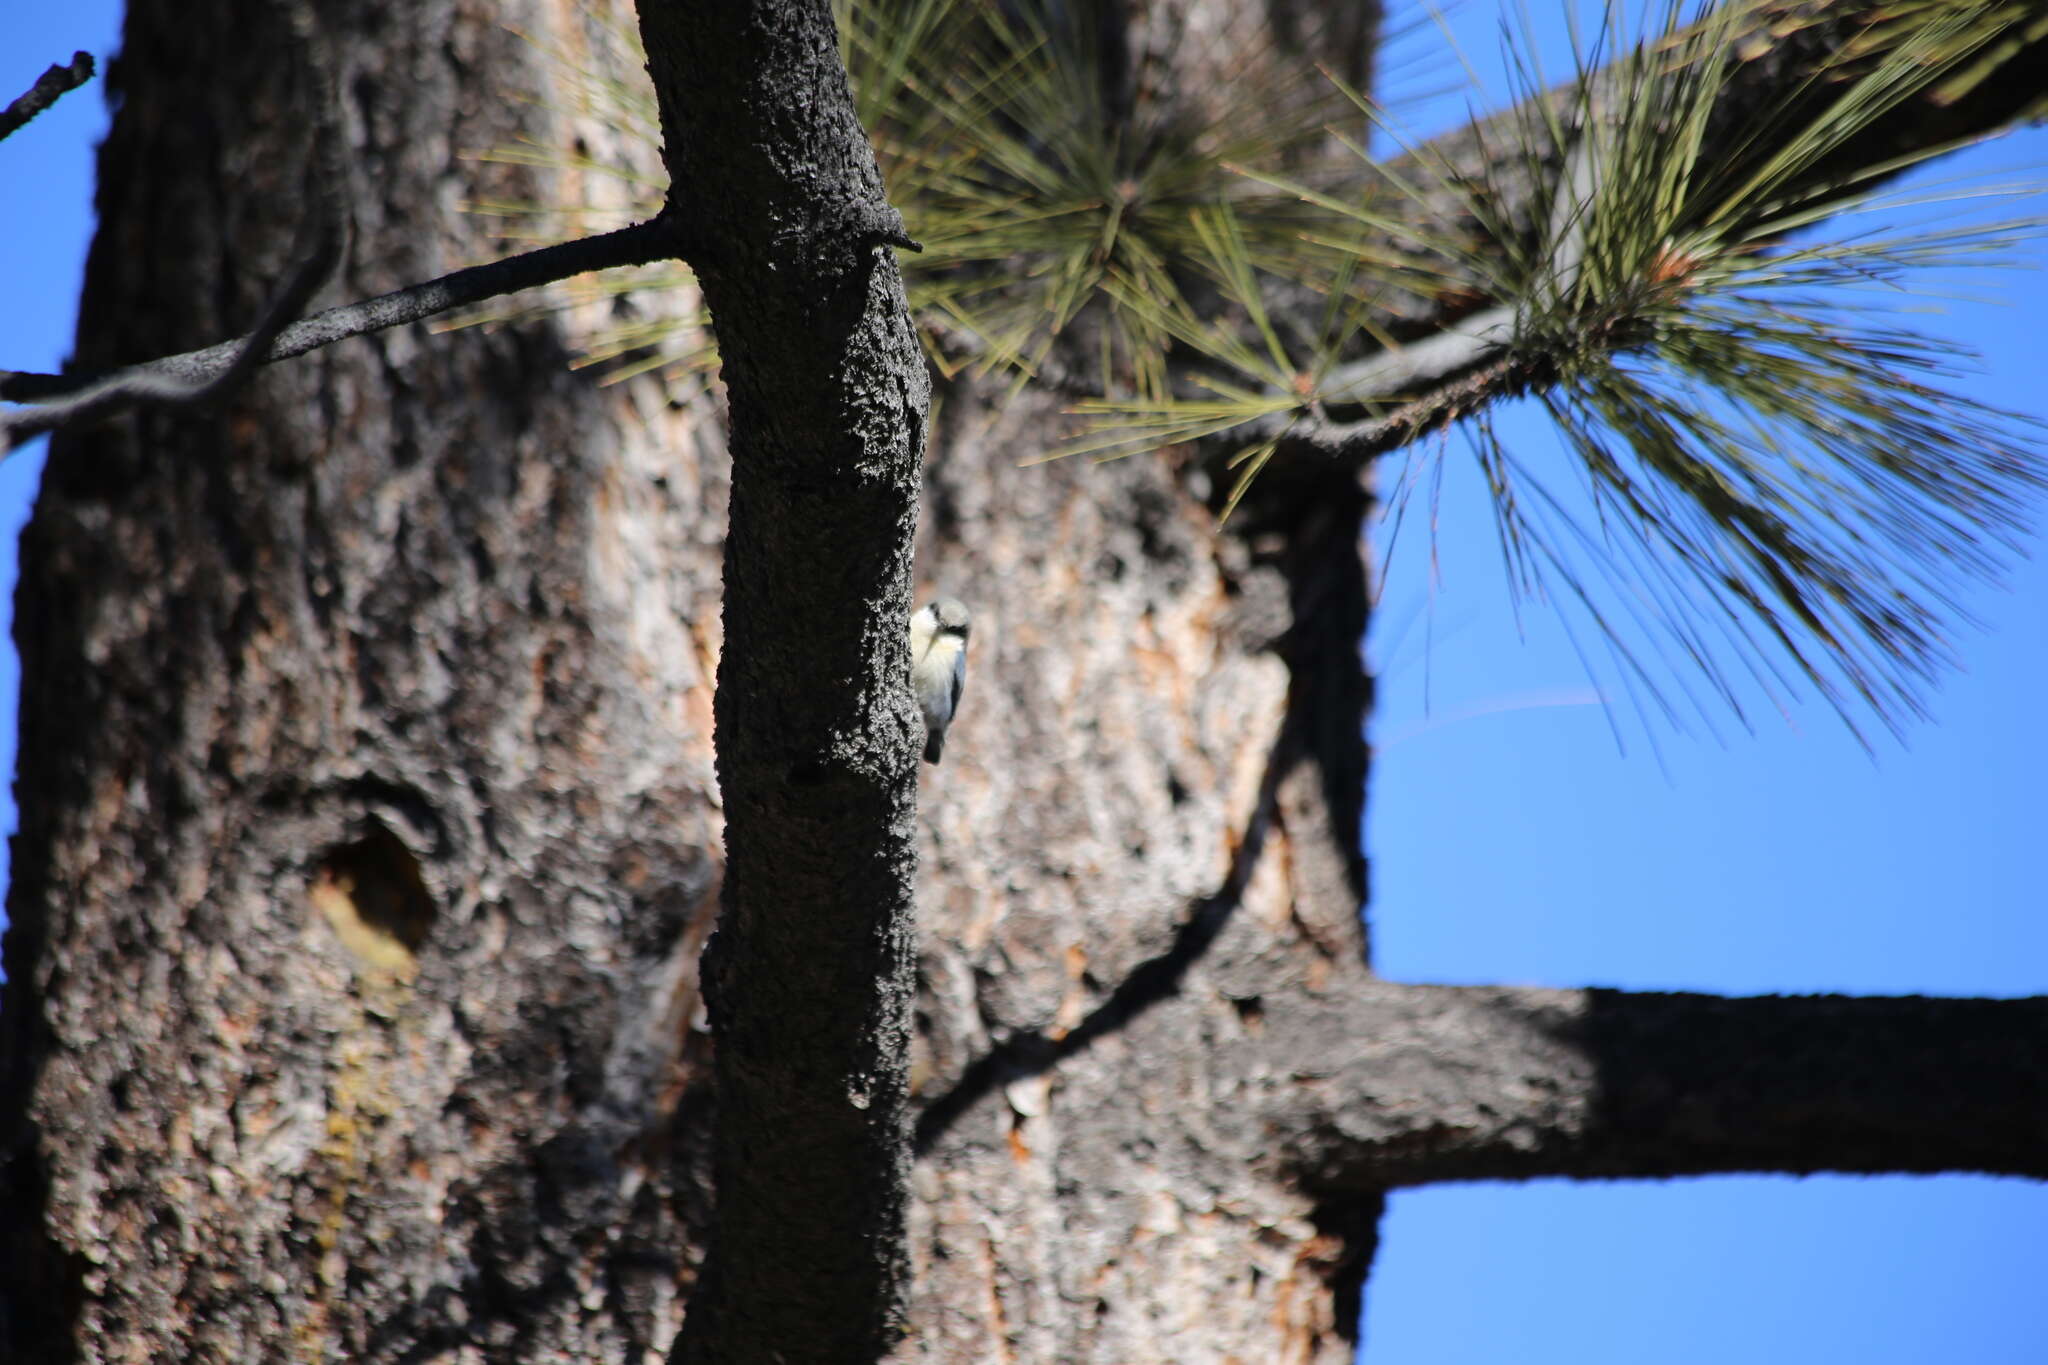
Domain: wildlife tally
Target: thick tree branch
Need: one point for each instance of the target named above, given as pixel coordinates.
(809, 978)
(638, 244)
(50, 87)
(1513, 1084)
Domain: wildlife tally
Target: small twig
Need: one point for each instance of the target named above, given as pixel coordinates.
(1455, 371)
(50, 87)
(1461, 367)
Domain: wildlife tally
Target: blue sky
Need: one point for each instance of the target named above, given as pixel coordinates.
(1512, 841)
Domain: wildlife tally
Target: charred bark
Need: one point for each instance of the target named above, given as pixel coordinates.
(808, 977)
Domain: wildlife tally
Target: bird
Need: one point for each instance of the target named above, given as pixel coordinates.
(938, 667)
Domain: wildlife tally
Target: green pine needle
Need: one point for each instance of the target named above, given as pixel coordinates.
(1781, 484)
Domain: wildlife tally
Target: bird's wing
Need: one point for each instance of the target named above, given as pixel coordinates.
(959, 678)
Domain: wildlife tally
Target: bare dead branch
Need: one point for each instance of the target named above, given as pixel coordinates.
(810, 976)
(326, 176)
(129, 388)
(635, 245)
(50, 87)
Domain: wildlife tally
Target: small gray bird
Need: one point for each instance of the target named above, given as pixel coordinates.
(938, 667)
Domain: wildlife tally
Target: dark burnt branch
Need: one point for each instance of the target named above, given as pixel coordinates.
(636, 245)
(1516, 1084)
(810, 976)
(104, 397)
(50, 87)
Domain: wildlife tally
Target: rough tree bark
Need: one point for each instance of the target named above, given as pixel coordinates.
(370, 835)
(370, 829)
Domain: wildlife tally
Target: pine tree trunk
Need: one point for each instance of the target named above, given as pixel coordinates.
(1142, 841)
(369, 824)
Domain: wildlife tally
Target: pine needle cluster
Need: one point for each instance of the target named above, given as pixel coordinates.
(1782, 485)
